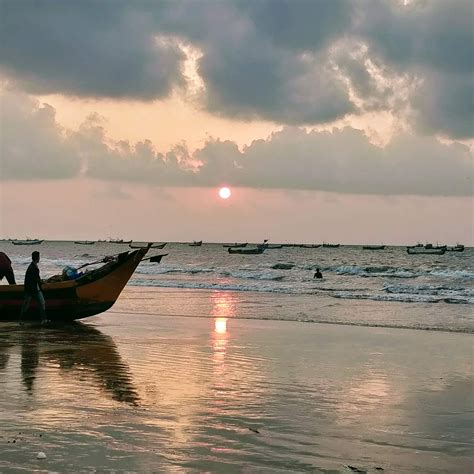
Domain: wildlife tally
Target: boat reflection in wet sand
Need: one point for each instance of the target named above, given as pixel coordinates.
(91, 293)
(75, 348)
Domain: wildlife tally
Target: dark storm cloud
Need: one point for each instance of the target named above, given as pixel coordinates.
(266, 59)
(434, 33)
(433, 41)
(86, 48)
(276, 60)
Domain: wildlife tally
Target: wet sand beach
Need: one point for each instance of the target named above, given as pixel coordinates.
(145, 392)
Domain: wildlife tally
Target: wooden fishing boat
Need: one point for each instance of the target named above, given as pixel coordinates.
(84, 242)
(27, 242)
(456, 248)
(247, 251)
(119, 241)
(435, 247)
(154, 246)
(196, 243)
(331, 246)
(417, 246)
(235, 246)
(92, 293)
(425, 251)
(374, 247)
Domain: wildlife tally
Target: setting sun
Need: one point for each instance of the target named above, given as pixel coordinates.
(224, 193)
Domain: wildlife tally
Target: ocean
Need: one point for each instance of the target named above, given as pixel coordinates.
(393, 288)
(210, 362)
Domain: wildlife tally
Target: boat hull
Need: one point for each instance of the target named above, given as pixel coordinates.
(94, 293)
(244, 251)
(26, 242)
(423, 251)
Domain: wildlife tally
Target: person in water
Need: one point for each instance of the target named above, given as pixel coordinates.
(33, 288)
(318, 274)
(6, 269)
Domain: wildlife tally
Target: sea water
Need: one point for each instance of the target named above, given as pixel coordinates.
(432, 291)
(208, 362)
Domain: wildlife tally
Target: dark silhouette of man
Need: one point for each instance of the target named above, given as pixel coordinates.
(6, 269)
(318, 274)
(33, 288)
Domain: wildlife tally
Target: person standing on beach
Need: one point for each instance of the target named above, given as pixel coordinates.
(318, 274)
(6, 269)
(33, 288)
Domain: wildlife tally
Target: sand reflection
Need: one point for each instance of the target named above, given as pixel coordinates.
(223, 308)
(79, 350)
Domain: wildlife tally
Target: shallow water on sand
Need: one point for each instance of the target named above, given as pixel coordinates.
(138, 392)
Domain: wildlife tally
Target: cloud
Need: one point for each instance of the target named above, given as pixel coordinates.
(343, 161)
(432, 42)
(87, 48)
(289, 62)
(32, 144)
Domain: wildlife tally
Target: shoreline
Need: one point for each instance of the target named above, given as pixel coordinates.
(206, 303)
(329, 323)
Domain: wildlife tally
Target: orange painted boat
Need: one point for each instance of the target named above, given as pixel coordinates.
(92, 293)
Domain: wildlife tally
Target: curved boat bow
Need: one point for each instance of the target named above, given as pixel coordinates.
(92, 293)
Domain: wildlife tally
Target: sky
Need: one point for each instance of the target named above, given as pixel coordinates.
(330, 120)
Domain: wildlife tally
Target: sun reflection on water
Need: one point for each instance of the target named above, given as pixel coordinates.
(220, 325)
(222, 309)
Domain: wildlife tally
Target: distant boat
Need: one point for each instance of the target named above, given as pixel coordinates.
(27, 242)
(119, 241)
(331, 246)
(309, 246)
(456, 248)
(247, 251)
(425, 251)
(435, 247)
(153, 246)
(196, 243)
(235, 246)
(271, 246)
(374, 247)
(84, 242)
(418, 245)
